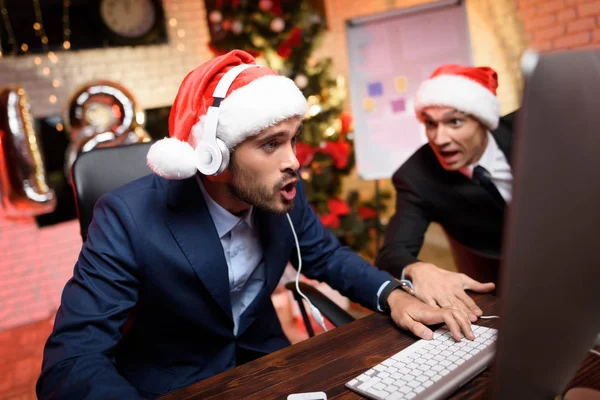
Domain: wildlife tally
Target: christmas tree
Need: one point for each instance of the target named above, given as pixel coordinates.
(283, 35)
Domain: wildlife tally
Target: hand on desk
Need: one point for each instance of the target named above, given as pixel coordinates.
(412, 314)
(440, 288)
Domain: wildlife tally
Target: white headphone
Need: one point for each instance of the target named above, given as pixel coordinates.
(212, 154)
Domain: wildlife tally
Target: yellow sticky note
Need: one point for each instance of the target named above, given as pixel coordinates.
(369, 104)
(400, 82)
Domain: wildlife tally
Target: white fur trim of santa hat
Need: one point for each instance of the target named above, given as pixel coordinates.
(260, 104)
(248, 110)
(462, 93)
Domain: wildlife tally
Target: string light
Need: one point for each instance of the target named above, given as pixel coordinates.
(38, 26)
(66, 25)
(12, 40)
(52, 99)
(173, 23)
(56, 83)
(52, 57)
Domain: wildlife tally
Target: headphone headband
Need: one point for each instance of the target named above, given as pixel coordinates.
(212, 153)
(212, 114)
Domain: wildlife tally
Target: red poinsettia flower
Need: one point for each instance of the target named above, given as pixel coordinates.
(338, 207)
(330, 220)
(367, 212)
(304, 153)
(295, 37)
(284, 50)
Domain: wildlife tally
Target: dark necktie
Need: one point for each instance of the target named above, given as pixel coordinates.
(482, 177)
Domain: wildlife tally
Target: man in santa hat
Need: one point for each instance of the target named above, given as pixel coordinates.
(192, 253)
(461, 179)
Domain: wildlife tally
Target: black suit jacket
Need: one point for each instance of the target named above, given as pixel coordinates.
(426, 192)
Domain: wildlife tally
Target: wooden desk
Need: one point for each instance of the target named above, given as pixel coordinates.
(327, 361)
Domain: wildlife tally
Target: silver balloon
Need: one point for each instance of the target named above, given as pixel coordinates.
(22, 174)
(102, 114)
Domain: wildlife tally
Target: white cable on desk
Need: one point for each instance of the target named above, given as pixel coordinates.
(313, 310)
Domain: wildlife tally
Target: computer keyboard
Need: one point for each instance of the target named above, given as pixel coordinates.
(428, 369)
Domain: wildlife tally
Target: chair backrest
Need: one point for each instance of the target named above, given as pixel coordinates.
(101, 170)
(479, 266)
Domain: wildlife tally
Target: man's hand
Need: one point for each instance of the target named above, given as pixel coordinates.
(412, 314)
(440, 288)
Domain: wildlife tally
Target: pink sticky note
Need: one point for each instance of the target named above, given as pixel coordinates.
(398, 105)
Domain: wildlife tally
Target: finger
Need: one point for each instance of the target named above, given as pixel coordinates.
(458, 302)
(472, 284)
(430, 301)
(444, 300)
(468, 301)
(452, 324)
(417, 328)
(464, 323)
(457, 321)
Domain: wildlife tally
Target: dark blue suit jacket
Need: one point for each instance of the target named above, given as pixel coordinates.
(148, 308)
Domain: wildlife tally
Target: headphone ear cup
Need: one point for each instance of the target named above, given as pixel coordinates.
(225, 160)
(209, 157)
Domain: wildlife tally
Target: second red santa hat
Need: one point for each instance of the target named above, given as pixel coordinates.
(471, 90)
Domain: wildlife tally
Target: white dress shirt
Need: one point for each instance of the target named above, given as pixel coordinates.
(494, 161)
(243, 253)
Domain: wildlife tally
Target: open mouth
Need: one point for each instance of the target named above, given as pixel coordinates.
(288, 191)
(449, 155)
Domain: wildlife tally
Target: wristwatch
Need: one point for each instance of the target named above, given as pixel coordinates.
(403, 284)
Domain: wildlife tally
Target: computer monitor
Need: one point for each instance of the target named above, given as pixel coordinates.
(550, 284)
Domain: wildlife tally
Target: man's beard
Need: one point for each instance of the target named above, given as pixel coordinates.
(246, 187)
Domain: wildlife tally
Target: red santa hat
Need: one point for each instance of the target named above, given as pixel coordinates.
(471, 90)
(257, 99)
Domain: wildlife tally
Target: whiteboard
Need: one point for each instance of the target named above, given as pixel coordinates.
(390, 54)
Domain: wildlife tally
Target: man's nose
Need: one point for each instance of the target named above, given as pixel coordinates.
(290, 161)
(442, 137)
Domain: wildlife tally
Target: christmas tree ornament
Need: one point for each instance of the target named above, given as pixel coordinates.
(277, 25)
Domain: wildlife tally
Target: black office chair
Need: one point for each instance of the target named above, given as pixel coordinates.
(334, 313)
(479, 266)
(104, 169)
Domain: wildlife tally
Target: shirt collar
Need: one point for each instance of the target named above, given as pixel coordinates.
(487, 160)
(224, 220)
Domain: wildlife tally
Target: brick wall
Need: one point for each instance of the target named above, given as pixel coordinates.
(34, 267)
(561, 24)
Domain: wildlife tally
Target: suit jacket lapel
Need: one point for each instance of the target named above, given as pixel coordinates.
(192, 227)
(503, 135)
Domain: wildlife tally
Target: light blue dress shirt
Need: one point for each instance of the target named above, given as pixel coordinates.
(243, 253)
